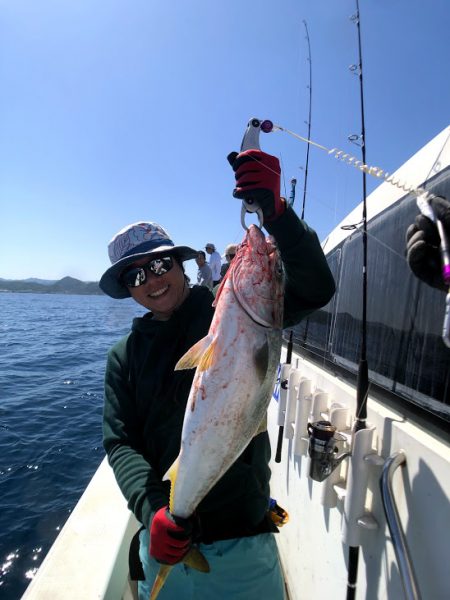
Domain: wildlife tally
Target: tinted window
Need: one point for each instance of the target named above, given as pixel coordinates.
(405, 351)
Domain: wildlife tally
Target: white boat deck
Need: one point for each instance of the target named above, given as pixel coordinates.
(89, 559)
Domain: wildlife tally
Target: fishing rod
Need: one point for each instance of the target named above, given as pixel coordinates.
(283, 390)
(362, 385)
(309, 120)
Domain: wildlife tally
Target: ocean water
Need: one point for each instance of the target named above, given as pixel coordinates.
(52, 359)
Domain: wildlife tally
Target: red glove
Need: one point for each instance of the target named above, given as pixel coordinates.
(170, 537)
(258, 181)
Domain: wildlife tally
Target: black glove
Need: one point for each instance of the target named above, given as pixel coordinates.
(422, 244)
(258, 180)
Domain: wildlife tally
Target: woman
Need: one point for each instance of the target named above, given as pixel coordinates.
(145, 400)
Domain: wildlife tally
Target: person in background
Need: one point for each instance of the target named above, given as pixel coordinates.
(214, 262)
(204, 275)
(145, 400)
(230, 253)
(423, 241)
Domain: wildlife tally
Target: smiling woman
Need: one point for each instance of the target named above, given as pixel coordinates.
(146, 397)
(147, 266)
(161, 293)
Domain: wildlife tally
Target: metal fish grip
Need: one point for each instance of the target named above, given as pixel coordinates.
(251, 141)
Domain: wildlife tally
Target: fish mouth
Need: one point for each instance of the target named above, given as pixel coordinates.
(159, 293)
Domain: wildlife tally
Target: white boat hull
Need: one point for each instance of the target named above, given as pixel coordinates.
(313, 555)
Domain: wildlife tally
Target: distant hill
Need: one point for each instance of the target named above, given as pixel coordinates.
(66, 285)
(41, 281)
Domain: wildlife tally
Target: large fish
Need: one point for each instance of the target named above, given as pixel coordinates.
(236, 367)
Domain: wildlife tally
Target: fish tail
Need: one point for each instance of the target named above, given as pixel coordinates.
(194, 559)
(160, 580)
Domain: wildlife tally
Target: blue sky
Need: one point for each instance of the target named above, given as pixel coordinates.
(113, 112)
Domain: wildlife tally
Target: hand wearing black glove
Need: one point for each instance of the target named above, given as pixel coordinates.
(170, 537)
(422, 244)
(258, 181)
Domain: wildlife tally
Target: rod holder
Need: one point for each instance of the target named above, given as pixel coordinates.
(357, 518)
(303, 409)
(291, 403)
(319, 405)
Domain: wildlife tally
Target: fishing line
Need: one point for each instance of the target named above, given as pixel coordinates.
(389, 248)
(436, 162)
(358, 227)
(377, 172)
(353, 161)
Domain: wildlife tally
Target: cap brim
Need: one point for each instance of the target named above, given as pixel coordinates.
(109, 282)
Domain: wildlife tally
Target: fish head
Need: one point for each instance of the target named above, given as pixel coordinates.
(256, 276)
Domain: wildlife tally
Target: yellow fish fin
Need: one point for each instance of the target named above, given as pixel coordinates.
(171, 475)
(192, 357)
(262, 426)
(195, 559)
(160, 580)
(207, 359)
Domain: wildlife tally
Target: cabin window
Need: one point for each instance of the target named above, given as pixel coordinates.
(405, 351)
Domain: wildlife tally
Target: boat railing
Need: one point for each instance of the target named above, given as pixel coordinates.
(404, 561)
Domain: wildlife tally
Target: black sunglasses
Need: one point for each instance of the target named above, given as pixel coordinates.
(230, 255)
(136, 276)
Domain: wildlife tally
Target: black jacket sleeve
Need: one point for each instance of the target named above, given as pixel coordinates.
(122, 440)
(309, 281)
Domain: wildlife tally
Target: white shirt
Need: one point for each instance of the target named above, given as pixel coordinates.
(215, 263)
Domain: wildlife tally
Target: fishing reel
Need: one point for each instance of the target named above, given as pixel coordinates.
(251, 141)
(324, 449)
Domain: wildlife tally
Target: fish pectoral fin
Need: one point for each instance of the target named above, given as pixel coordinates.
(195, 559)
(261, 360)
(207, 359)
(262, 426)
(192, 358)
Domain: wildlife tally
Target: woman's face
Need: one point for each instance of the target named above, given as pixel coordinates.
(161, 294)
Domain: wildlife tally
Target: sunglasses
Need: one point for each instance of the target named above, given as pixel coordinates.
(230, 255)
(137, 276)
